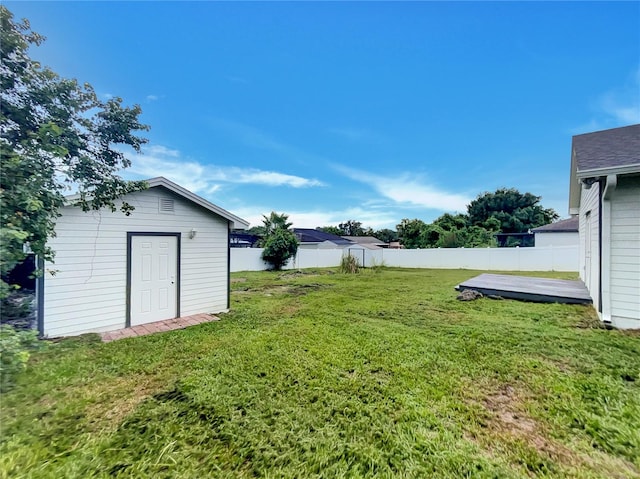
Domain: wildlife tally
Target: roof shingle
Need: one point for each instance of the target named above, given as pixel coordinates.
(569, 225)
(308, 235)
(607, 148)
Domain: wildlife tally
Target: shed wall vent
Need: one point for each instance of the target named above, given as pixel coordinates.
(167, 205)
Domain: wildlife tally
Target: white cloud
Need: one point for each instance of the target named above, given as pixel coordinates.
(159, 150)
(407, 189)
(623, 110)
(157, 160)
(152, 97)
(315, 218)
(619, 106)
(623, 103)
(270, 178)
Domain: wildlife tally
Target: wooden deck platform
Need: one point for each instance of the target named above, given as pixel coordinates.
(528, 288)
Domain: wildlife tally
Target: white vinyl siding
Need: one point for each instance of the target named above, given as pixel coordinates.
(560, 238)
(88, 293)
(590, 204)
(625, 253)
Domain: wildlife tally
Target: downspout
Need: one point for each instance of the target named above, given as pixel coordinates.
(229, 265)
(599, 306)
(40, 295)
(605, 254)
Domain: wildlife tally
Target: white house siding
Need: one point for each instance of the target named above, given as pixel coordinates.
(560, 238)
(590, 203)
(88, 291)
(625, 253)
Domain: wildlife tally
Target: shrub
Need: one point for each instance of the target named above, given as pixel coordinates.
(279, 247)
(18, 309)
(349, 265)
(15, 348)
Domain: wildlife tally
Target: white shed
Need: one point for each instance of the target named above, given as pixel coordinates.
(560, 233)
(605, 194)
(169, 258)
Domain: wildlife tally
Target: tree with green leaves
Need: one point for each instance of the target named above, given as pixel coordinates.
(454, 231)
(509, 211)
(411, 233)
(351, 228)
(274, 222)
(279, 242)
(57, 135)
(386, 235)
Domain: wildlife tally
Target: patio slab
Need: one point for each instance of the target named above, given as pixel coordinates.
(158, 327)
(529, 288)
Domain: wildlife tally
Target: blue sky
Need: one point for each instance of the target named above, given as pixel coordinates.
(373, 112)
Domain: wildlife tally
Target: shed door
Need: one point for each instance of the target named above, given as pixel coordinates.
(154, 285)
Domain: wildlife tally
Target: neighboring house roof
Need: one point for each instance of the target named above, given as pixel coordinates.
(370, 242)
(246, 240)
(236, 221)
(601, 153)
(308, 235)
(570, 225)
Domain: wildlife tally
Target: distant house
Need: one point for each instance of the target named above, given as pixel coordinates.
(368, 242)
(604, 193)
(241, 239)
(169, 258)
(560, 233)
(316, 239)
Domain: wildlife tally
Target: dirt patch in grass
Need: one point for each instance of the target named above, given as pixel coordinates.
(304, 273)
(289, 309)
(238, 280)
(289, 289)
(631, 332)
(502, 405)
(589, 320)
(117, 400)
(508, 424)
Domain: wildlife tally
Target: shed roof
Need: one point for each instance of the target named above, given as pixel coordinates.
(364, 239)
(369, 242)
(570, 225)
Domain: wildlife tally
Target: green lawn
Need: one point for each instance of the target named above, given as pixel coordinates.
(319, 374)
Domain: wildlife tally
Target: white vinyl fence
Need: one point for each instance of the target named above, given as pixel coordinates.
(548, 258)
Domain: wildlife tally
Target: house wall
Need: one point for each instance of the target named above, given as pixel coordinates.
(625, 253)
(590, 203)
(88, 291)
(557, 239)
